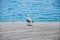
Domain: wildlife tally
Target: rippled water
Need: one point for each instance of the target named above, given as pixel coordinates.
(39, 10)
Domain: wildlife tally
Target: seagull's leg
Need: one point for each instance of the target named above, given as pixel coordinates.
(27, 23)
(30, 24)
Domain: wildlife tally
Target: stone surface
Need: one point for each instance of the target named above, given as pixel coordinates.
(39, 31)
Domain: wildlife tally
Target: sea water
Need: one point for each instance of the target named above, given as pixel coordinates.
(38, 10)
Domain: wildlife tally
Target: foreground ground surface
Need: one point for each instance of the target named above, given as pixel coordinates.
(39, 31)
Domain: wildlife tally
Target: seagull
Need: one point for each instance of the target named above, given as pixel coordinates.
(29, 20)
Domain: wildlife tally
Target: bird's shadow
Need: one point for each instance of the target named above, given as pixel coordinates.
(29, 25)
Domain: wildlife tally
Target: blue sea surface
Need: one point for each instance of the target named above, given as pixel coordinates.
(39, 10)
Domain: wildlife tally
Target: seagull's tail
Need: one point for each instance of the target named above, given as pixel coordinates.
(32, 21)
